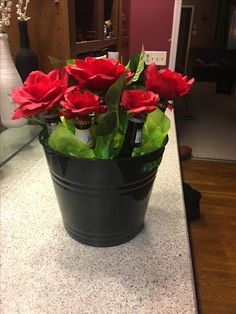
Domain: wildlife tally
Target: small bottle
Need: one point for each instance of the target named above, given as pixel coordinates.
(133, 136)
(52, 119)
(82, 129)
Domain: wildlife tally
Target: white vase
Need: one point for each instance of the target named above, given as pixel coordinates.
(10, 78)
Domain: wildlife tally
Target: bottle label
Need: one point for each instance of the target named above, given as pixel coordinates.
(138, 138)
(84, 136)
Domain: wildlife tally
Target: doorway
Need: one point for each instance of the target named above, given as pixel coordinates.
(185, 30)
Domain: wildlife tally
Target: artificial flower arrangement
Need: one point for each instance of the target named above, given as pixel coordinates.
(99, 108)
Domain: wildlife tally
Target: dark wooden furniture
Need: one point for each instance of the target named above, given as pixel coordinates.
(54, 28)
(216, 65)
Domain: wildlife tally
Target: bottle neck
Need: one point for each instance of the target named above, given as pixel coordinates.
(135, 128)
(133, 137)
(24, 37)
(162, 107)
(52, 120)
(83, 122)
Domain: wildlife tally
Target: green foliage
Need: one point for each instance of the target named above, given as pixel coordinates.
(110, 122)
(56, 63)
(69, 124)
(137, 66)
(133, 63)
(123, 120)
(37, 120)
(70, 61)
(107, 146)
(64, 141)
(112, 97)
(154, 133)
(107, 125)
(108, 135)
(104, 147)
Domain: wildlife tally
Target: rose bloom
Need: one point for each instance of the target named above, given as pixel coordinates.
(78, 103)
(96, 74)
(39, 93)
(139, 101)
(168, 84)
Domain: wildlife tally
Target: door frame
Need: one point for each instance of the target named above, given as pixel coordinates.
(175, 33)
(189, 33)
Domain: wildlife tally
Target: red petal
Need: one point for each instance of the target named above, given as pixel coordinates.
(20, 95)
(35, 77)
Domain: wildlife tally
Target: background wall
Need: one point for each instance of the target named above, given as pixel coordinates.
(204, 22)
(151, 24)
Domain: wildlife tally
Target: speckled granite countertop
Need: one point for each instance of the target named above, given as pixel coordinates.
(43, 270)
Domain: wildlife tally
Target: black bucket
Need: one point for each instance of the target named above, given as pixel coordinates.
(103, 202)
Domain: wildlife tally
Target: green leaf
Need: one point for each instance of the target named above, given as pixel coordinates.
(140, 67)
(123, 120)
(154, 133)
(56, 63)
(37, 120)
(108, 124)
(69, 124)
(112, 97)
(62, 140)
(133, 62)
(127, 67)
(70, 61)
(104, 147)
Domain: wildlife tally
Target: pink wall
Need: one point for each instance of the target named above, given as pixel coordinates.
(150, 24)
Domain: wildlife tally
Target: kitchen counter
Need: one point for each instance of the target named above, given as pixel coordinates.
(45, 271)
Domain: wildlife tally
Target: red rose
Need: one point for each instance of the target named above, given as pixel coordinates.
(168, 84)
(96, 74)
(59, 74)
(78, 103)
(40, 92)
(138, 101)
